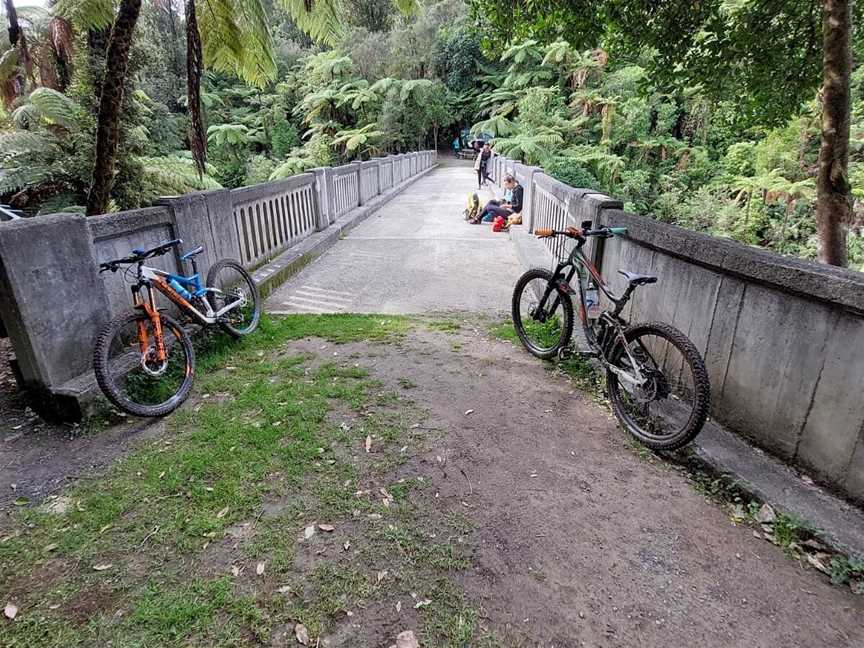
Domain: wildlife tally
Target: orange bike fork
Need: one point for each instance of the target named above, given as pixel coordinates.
(149, 307)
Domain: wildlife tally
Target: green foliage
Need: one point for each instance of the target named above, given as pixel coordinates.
(571, 172)
(591, 120)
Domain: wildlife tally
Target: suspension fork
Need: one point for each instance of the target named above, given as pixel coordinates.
(149, 307)
(552, 286)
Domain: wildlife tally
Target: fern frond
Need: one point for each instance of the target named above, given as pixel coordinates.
(54, 107)
(174, 175)
(86, 14)
(235, 38)
(322, 20)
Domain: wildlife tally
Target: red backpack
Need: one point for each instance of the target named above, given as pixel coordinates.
(499, 224)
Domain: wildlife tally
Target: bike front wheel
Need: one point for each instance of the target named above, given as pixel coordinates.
(231, 285)
(658, 386)
(544, 326)
(127, 369)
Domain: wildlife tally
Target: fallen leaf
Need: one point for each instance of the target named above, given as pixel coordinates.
(284, 589)
(104, 529)
(382, 575)
(327, 527)
(347, 545)
(368, 443)
(309, 531)
(259, 568)
(398, 606)
(235, 570)
(102, 567)
(406, 639)
(422, 603)
(223, 512)
(21, 501)
(11, 610)
(470, 411)
(302, 634)
(50, 547)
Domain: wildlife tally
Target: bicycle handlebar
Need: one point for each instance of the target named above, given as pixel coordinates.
(139, 255)
(577, 233)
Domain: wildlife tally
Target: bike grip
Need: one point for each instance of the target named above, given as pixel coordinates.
(543, 232)
(618, 230)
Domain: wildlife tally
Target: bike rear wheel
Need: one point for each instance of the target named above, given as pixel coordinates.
(233, 284)
(137, 382)
(671, 405)
(545, 330)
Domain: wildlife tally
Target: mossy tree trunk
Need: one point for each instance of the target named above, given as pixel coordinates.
(110, 105)
(834, 199)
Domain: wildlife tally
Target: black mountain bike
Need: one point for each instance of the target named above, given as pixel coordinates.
(655, 377)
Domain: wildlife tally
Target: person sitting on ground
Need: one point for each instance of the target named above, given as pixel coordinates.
(481, 165)
(512, 203)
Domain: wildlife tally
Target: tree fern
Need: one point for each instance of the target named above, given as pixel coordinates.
(54, 107)
(174, 175)
(235, 37)
(89, 14)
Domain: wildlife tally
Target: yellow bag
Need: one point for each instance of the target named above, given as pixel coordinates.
(515, 219)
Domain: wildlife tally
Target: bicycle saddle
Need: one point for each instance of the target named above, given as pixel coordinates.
(637, 279)
(192, 253)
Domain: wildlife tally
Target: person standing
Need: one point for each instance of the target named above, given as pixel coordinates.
(481, 165)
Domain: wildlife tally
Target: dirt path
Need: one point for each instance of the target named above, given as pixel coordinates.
(495, 505)
(579, 541)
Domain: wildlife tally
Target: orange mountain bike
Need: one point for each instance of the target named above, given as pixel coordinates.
(144, 360)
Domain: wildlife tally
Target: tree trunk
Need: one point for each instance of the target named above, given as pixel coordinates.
(834, 200)
(19, 40)
(110, 104)
(194, 71)
(14, 27)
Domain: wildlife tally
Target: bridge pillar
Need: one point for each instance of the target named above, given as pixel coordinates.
(324, 194)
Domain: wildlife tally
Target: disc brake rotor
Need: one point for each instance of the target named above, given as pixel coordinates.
(148, 358)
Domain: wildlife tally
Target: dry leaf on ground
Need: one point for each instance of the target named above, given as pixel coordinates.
(10, 611)
(327, 527)
(309, 531)
(102, 567)
(368, 443)
(406, 639)
(302, 634)
(259, 568)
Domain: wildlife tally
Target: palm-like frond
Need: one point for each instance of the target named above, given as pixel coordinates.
(357, 137)
(54, 107)
(323, 20)
(292, 166)
(496, 126)
(530, 148)
(175, 175)
(86, 14)
(528, 51)
(235, 38)
(228, 135)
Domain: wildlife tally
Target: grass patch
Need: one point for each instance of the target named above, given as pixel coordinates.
(132, 532)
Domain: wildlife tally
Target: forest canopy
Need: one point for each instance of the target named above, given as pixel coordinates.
(597, 96)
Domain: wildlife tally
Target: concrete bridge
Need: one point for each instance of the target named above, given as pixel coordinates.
(783, 339)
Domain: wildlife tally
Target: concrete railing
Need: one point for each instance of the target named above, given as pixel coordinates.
(783, 339)
(53, 300)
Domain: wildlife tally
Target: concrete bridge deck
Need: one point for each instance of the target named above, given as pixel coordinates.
(415, 255)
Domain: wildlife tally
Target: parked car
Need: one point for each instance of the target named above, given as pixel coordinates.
(9, 214)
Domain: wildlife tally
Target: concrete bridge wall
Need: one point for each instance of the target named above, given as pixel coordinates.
(783, 338)
(53, 300)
